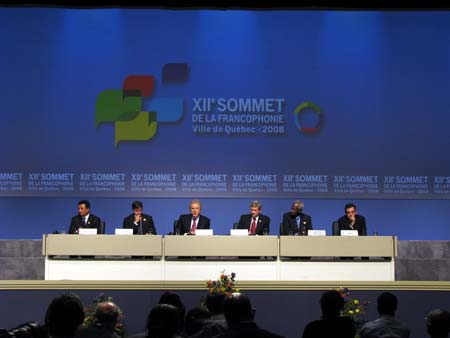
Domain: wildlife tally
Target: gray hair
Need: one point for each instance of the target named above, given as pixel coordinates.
(255, 204)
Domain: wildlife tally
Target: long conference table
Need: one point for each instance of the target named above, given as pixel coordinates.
(190, 258)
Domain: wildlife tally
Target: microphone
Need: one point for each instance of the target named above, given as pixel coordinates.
(352, 222)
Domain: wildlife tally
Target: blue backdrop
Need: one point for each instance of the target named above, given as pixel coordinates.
(227, 106)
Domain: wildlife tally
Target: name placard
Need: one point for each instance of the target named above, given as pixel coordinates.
(349, 232)
(238, 232)
(204, 232)
(317, 233)
(87, 231)
(120, 231)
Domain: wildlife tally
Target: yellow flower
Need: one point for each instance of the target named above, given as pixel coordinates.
(350, 312)
(357, 310)
(356, 302)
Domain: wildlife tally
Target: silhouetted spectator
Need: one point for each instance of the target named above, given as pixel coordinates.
(105, 321)
(214, 302)
(438, 323)
(175, 300)
(386, 325)
(195, 321)
(331, 324)
(217, 323)
(239, 315)
(64, 315)
(162, 322)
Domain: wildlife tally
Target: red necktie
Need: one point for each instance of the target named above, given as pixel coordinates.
(194, 225)
(253, 228)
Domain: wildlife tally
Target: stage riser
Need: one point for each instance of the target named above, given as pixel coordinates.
(200, 270)
(417, 260)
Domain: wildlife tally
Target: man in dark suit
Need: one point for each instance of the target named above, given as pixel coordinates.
(256, 223)
(187, 224)
(332, 324)
(352, 221)
(106, 318)
(295, 222)
(64, 315)
(84, 219)
(386, 325)
(239, 315)
(142, 224)
(438, 323)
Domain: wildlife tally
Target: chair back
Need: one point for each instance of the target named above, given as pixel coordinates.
(335, 228)
(101, 231)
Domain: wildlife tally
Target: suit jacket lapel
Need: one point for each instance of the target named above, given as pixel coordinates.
(293, 221)
(260, 223)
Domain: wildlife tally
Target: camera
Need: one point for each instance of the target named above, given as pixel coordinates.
(26, 330)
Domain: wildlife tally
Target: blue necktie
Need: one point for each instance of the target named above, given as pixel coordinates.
(298, 220)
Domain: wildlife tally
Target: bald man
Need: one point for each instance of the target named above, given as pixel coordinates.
(105, 320)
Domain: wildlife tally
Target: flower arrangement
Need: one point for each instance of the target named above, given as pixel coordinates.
(90, 314)
(354, 308)
(224, 285)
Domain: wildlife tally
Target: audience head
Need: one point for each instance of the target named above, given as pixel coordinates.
(331, 303)
(174, 300)
(107, 314)
(214, 303)
(195, 319)
(162, 322)
(387, 304)
(237, 309)
(438, 323)
(64, 314)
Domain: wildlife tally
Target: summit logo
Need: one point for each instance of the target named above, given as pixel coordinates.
(125, 107)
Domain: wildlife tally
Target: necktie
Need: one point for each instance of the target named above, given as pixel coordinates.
(298, 221)
(253, 228)
(194, 225)
(84, 221)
